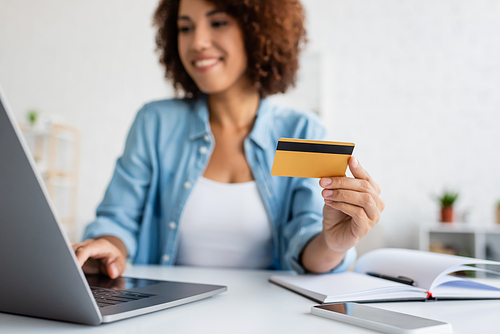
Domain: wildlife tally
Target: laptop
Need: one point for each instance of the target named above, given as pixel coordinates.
(39, 273)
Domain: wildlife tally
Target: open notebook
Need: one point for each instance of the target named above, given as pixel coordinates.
(430, 273)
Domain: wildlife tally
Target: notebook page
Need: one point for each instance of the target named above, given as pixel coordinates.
(422, 267)
(445, 277)
(457, 287)
(341, 285)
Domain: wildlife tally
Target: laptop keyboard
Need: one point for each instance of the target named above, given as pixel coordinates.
(108, 297)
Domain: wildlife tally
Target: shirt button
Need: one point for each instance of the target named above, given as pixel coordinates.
(187, 185)
(172, 225)
(203, 150)
(206, 138)
(166, 257)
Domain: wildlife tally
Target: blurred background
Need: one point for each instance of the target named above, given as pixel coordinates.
(415, 84)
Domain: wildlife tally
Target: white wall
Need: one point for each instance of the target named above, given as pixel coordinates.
(93, 62)
(415, 84)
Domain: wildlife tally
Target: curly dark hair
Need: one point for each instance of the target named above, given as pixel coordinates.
(274, 35)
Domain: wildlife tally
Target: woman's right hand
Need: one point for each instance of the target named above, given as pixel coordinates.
(105, 255)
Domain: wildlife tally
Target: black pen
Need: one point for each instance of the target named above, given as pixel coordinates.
(399, 279)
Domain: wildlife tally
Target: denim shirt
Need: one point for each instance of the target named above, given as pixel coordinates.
(168, 148)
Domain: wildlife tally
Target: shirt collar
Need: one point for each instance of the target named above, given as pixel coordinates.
(200, 125)
(262, 128)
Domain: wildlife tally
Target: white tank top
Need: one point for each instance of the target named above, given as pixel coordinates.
(224, 225)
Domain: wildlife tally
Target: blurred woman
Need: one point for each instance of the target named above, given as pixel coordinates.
(193, 186)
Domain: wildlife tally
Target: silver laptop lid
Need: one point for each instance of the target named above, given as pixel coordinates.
(40, 275)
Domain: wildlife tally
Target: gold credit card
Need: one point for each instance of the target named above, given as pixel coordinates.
(311, 158)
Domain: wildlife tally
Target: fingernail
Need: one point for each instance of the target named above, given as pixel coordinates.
(326, 181)
(327, 193)
(355, 162)
(113, 270)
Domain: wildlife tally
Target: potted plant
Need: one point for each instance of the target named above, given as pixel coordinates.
(446, 201)
(32, 117)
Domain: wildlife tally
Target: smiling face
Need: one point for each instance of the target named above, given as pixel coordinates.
(211, 47)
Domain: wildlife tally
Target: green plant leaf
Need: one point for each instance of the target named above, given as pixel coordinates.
(448, 198)
(32, 116)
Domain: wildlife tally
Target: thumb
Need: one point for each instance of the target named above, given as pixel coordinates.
(356, 169)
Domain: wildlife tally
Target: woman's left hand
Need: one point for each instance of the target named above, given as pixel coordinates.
(352, 207)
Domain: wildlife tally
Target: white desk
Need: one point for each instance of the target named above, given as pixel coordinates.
(253, 305)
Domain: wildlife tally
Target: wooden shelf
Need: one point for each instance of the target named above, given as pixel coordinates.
(56, 151)
(481, 242)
